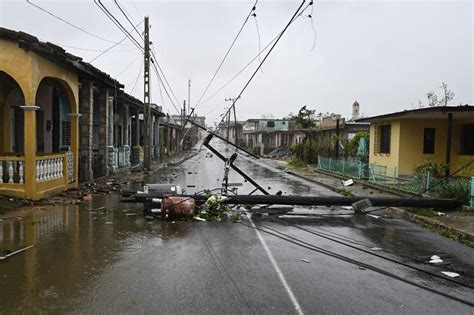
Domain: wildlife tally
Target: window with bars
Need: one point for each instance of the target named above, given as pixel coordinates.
(384, 139)
(66, 129)
(429, 141)
(467, 139)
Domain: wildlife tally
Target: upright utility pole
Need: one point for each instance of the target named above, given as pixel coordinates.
(146, 100)
(233, 100)
(189, 96)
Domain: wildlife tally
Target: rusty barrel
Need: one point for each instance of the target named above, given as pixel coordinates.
(176, 207)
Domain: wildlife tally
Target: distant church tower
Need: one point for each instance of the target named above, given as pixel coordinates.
(355, 110)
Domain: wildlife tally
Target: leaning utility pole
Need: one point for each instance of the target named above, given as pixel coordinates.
(146, 100)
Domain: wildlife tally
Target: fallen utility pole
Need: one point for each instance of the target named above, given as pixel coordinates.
(311, 200)
(223, 139)
(230, 162)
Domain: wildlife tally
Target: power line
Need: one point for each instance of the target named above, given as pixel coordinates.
(69, 23)
(164, 87)
(128, 66)
(265, 58)
(99, 55)
(126, 16)
(226, 54)
(251, 61)
(420, 194)
(94, 50)
(333, 239)
(332, 254)
(153, 61)
(136, 80)
(104, 9)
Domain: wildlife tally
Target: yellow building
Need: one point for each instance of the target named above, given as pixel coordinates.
(405, 139)
(44, 147)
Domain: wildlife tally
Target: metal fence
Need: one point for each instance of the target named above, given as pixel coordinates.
(388, 176)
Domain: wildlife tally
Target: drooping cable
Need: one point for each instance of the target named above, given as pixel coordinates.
(70, 24)
(312, 26)
(254, 15)
(265, 58)
(420, 194)
(333, 239)
(332, 254)
(250, 62)
(226, 54)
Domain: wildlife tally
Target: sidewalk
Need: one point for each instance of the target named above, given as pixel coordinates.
(457, 225)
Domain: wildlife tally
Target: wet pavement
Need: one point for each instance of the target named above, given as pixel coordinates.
(105, 257)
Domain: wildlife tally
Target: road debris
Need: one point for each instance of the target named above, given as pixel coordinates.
(450, 274)
(435, 259)
(305, 260)
(8, 254)
(348, 182)
(373, 216)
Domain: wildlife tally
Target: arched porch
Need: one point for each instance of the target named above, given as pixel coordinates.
(38, 143)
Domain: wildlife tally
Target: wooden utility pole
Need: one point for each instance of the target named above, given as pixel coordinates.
(146, 100)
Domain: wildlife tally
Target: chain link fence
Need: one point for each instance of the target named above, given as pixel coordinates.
(459, 188)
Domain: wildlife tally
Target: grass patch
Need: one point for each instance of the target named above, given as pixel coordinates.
(423, 211)
(448, 234)
(469, 244)
(298, 163)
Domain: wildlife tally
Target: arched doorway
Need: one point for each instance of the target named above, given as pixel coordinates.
(53, 120)
(11, 116)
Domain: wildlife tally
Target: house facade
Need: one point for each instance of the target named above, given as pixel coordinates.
(405, 139)
(62, 120)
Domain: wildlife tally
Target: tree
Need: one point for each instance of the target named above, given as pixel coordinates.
(448, 95)
(433, 100)
(306, 118)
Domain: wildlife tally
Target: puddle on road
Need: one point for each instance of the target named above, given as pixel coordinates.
(72, 247)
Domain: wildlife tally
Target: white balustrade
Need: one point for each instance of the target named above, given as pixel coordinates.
(14, 169)
(49, 169)
(20, 172)
(10, 172)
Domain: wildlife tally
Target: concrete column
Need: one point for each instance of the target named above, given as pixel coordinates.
(126, 135)
(126, 123)
(136, 149)
(86, 108)
(112, 151)
(156, 136)
(75, 149)
(30, 150)
(103, 129)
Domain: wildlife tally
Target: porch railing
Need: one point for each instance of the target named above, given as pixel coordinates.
(49, 167)
(12, 170)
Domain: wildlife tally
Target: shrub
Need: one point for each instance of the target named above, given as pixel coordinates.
(457, 189)
(436, 169)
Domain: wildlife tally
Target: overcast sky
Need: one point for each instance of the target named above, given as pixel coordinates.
(385, 54)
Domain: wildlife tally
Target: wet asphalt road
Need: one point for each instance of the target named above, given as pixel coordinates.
(118, 262)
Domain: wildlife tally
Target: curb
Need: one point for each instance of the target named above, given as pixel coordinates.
(406, 215)
(439, 225)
